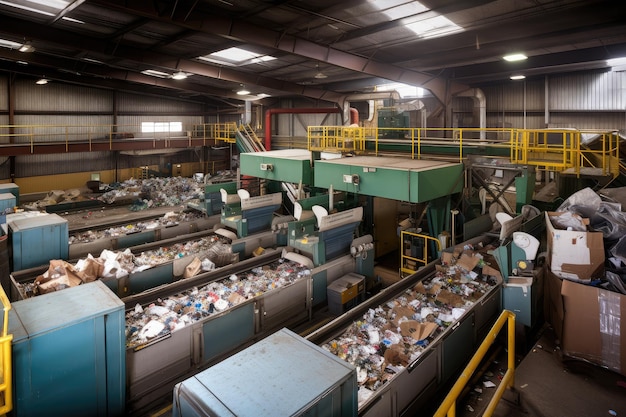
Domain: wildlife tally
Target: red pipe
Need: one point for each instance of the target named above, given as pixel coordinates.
(354, 118)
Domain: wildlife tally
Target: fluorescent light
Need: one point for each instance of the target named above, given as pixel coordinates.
(10, 44)
(514, 57)
(41, 81)
(155, 73)
(517, 77)
(179, 75)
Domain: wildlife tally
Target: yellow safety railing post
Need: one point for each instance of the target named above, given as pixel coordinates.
(6, 385)
(448, 406)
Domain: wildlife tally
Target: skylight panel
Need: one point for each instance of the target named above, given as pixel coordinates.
(42, 7)
(433, 27)
(419, 18)
(236, 56)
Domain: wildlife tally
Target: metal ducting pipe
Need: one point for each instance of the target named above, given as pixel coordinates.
(354, 118)
(382, 95)
(481, 102)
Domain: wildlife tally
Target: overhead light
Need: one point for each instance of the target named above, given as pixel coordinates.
(514, 57)
(155, 73)
(179, 75)
(262, 95)
(517, 77)
(27, 47)
(320, 75)
(41, 81)
(243, 92)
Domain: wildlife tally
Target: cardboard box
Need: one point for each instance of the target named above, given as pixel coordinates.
(591, 325)
(578, 256)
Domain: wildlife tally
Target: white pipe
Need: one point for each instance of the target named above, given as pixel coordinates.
(331, 198)
(481, 102)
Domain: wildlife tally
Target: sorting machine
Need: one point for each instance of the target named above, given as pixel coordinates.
(137, 281)
(406, 391)
(150, 370)
(135, 238)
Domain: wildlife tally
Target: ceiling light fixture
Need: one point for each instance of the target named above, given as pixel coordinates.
(517, 77)
(179, 75)
(27, 47)
(320, 75)
(514, 57)
(41, 81)
(243, 92)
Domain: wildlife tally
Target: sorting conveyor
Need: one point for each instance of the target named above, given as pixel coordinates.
(439, 357)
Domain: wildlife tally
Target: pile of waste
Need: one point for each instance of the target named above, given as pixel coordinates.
(211, 251)
(168, 219)
(393, 335)
(602, 212)
(155, 192)
(166, 315)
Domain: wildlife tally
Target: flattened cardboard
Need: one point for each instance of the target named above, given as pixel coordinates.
(574, 255)
(582, 330)
(468, 262)
(416, 330)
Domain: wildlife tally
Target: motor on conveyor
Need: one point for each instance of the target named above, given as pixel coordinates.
(361, 245)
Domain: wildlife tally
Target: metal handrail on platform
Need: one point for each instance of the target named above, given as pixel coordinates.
(448, 406)
(6, 384)
(555, 150)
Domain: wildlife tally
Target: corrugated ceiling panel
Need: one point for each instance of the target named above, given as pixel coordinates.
(56, 97)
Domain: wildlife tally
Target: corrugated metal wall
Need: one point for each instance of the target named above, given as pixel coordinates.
(59, 112)
(135, 103)
(589, 91)
(56, 97)
(585, 100)
(4, 95)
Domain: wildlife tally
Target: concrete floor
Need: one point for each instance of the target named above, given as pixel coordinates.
(550, 385)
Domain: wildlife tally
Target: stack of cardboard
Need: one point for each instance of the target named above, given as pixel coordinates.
(585, 316)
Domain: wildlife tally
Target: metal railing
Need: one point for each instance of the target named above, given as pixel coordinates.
(448, 406)
(6, 384)
(555, 150)
(407, 259)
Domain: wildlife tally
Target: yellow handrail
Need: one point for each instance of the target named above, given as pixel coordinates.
(6, 385)
(424, 259)
(448, 406)
(554, 150)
